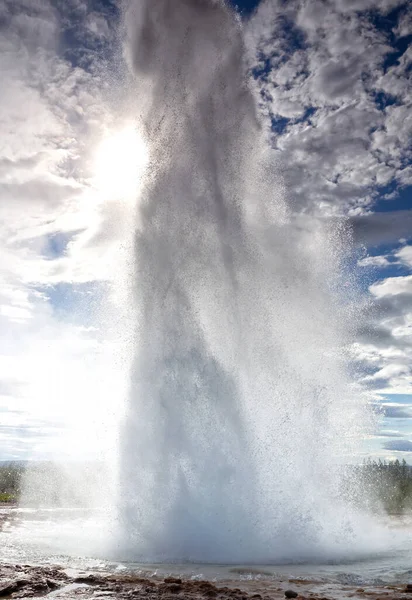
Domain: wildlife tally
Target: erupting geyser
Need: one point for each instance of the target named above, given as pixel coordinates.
(240, 407)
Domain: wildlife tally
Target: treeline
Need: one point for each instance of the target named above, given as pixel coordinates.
(373, 485)
(11, 474)
(46, 484)
(387, 484)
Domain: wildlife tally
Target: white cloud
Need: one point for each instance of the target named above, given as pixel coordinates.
(339, 114)
(52, 115)
(392, 286)
(333, 64)
(374, 261)
(404, 26)
(405, 255)
(385, 336)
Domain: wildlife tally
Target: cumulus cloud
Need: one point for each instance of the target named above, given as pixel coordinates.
(335, 91)
(323, 78)
(385, 336)
(392, 286)
(404, 25)
(374, 261)
(53, 111)
(404, 255)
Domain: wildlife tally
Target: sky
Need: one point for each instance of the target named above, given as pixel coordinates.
(332, 79)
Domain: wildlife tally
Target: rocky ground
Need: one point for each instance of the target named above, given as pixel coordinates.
(31, 581)
(26, 581)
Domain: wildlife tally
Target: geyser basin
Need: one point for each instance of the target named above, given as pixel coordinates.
(240, 408)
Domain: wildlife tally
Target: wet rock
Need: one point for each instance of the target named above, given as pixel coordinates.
(170, 588)
(8, 588)
(88, 579)
(39, 585)
(23, 582)
(28, 582)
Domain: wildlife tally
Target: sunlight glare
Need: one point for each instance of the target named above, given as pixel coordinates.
(120, 162)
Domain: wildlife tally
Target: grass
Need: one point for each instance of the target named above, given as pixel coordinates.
(5, 497)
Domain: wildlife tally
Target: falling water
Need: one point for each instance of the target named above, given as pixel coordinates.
(241, 412)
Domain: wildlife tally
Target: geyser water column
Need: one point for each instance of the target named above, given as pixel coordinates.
(239, 406)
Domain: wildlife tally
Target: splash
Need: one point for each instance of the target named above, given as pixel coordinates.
(240, 408)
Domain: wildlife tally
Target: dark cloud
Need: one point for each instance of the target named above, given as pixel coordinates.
(397, 412)
(381, 227)
(380, 318)
(376, 334)
(399, 446)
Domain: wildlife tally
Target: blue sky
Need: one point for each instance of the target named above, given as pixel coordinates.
(333, 82)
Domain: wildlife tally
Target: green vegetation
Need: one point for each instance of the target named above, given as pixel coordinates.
(373, 485)
(388, 484)
(51, 484)
(10, 481)
(9, 498)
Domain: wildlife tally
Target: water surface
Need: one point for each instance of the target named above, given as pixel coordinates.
(60, 537)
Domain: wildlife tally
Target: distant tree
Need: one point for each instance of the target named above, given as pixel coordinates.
(388, 483)
(10, 480)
